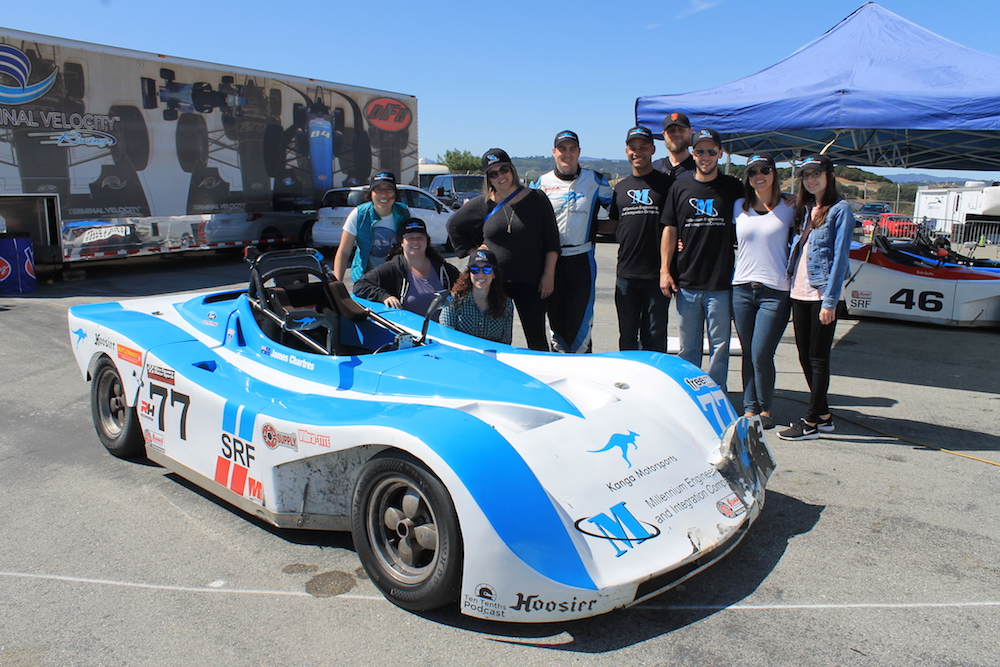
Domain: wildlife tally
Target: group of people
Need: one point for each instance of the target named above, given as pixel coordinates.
(723, 249)
(731, 252)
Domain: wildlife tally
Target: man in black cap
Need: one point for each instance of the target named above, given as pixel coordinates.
(576, 195)
(635, 209)
(677, 137)
(699, 213)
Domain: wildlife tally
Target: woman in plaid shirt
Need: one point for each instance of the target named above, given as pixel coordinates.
(478, 304)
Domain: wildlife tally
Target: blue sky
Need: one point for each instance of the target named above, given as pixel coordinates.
(499, 73)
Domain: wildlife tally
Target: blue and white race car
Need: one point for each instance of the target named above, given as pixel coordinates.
(524, 486)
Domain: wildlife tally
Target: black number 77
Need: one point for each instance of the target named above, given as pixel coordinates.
(175, 397)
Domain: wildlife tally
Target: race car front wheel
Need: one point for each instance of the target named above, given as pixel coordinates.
(406, 533)
(116, 423)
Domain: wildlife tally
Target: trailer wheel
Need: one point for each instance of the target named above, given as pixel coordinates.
(133, 139)
(116, 423)
(406, 533)
(192, 142)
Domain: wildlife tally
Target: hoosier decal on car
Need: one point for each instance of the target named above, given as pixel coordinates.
(536, 603)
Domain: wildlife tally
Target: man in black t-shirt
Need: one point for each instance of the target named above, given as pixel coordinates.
(636, 206)
(699, 214)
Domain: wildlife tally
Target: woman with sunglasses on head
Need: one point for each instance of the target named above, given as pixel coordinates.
(760, 285)
(412, 273)
(519, 226)
(817, 268)
(371, 227)
(478, 304)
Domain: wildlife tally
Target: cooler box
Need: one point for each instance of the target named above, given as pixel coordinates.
(17, 264)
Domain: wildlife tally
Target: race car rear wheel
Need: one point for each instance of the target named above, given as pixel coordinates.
(406, 533)
(116, 423)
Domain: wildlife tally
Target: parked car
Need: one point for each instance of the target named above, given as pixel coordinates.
(870, 212)
(892, 225)
(456, 189)
(338, 202)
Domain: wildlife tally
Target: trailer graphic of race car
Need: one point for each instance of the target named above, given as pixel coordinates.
(523, 486)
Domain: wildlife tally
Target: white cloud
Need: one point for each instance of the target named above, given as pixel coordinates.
(696, 6)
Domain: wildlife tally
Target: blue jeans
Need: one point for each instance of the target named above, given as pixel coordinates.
(761, 315)
(642, 314)
(697, 309)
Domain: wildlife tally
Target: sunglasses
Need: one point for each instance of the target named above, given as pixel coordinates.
(711, 151)
(812, 174)
(763, 170)
(495, 173)
(474, 270)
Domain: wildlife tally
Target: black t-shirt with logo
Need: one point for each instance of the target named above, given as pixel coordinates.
(703, 215)
(637, 205)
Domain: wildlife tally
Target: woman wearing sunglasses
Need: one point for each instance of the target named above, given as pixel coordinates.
(760, 285)
(519, 225)
(478, 304)
(412, 273)
(817, 268)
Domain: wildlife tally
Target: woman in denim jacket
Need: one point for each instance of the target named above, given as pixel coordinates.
(817, 268)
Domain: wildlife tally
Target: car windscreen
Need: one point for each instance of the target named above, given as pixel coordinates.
(467, 183)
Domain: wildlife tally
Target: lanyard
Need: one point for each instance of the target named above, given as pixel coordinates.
(501, 205)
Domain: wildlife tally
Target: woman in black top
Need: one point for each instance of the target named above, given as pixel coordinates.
(519, 226)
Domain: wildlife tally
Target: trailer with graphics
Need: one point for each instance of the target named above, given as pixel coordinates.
(106, 152)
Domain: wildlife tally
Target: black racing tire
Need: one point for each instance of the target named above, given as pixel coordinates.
(306, 234)
(117, 424)
(133, 137)
(406, 533)
(274, 149)
(192, 142)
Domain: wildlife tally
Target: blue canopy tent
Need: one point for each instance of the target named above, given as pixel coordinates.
(880, 90)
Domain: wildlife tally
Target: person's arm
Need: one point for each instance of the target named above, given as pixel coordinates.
(842, 221)
(668, 246)
(465, 226)
(548, 282)
(342, 260)
(380, 284)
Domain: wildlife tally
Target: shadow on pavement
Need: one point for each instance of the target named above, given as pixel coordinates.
(722, 585)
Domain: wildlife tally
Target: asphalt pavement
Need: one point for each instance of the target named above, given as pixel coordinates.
(879, 543)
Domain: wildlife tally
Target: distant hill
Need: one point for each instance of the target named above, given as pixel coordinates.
(925, 179)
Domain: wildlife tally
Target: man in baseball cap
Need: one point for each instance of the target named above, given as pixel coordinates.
(699, 214)
(677, 137)
(635, 211)
(575, 195)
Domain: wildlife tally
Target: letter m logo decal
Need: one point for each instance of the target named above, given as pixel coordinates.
(618, 525)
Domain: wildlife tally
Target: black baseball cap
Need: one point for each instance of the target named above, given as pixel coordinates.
(817, 162)
(412, 226)
(706, 135)
(639, 132)
(566, 135)
(676, 118)
(761, 160)
(384, 177)
(494, 156)
(482, 255)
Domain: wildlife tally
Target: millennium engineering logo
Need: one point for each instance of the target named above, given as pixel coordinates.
(15, 65)
(703, 206)
(640, 197)
(620, 526)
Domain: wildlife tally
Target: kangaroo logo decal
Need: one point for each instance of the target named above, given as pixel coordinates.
(621, 441)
